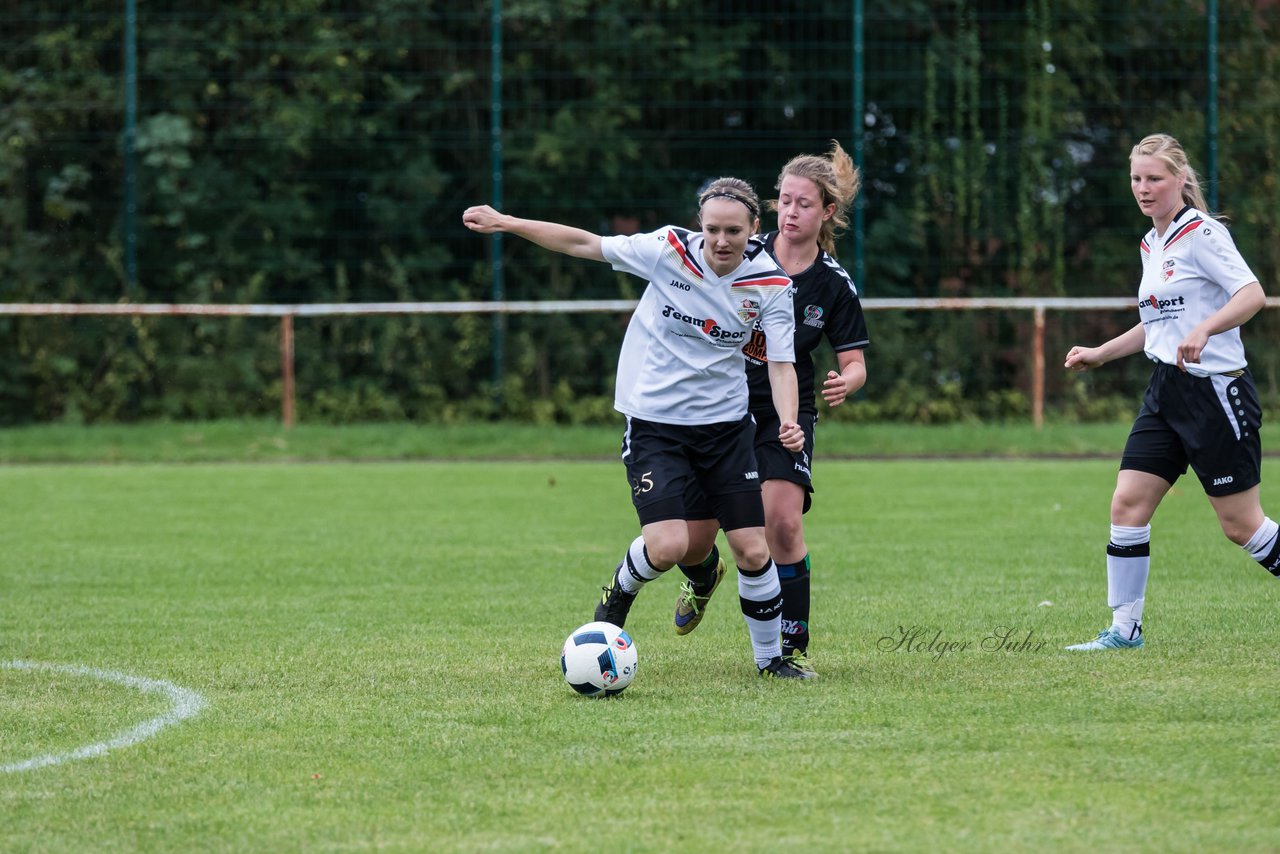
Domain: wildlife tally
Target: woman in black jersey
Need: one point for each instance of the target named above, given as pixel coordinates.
(1200, 408)
(814, 195)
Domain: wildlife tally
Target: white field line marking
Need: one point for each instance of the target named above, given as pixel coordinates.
(186, 704)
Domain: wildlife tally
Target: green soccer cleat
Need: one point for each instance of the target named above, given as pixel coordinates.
(615, 603)
(691, 604)
(783, 668)
(799, 659)
(1110, 638)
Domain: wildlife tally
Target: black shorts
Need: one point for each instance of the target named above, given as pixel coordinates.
(705, 471)
(776, 462)
(1211, 423)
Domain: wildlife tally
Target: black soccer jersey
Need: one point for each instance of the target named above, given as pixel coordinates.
(826, 303)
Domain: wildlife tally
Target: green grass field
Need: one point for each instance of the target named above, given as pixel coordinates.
(376, 647)
(268, 441)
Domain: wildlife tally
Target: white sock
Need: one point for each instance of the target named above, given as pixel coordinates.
(1128, 563)
(636, 570)
(760, 595)
(1264, 546)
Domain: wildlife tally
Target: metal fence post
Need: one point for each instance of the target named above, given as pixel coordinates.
(495, 154)
(1211, 106)
(859, 153)
(129, 216)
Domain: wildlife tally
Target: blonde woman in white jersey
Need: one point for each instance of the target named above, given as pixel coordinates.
(1200, 408)
(682, 387)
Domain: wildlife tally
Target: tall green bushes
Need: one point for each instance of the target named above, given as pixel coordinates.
(318, 152)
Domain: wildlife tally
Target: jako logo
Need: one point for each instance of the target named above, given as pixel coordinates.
(676, 283)
(1162, 303)
(1222, 481)
(709, 327)
(765, 610)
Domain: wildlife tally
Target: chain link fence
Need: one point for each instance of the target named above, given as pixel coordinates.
(315, 151)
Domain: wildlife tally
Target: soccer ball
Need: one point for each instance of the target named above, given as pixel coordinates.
(598, 660)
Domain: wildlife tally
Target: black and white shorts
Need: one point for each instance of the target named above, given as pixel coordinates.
(776, 462)
(1211, 423)
(705, 471)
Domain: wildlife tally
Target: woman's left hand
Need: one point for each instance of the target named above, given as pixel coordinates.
(835, 389)
(1191, 348)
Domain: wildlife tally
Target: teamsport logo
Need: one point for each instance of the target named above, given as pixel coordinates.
(813, 316)
(708, 326)
(1161, 304)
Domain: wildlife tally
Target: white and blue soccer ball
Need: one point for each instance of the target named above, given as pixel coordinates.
(598, 660)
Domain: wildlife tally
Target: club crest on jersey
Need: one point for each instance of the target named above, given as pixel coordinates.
(750, 310)
(813, 316)
(1168, 269)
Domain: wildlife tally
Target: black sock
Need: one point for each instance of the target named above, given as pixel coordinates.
(794, 578)
(703, 574)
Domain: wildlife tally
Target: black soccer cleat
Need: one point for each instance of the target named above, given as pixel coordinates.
(799, 659)
(615, 602)
(785, 668)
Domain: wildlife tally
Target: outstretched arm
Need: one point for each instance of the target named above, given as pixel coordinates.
(550, 235)
(1124, 344)
(786, 401)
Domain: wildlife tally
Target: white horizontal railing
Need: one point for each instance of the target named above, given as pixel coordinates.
(517, 307)
(322, 309)
(287, 312)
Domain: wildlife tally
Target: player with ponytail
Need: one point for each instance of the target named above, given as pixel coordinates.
(815, 193)
(1201, 408)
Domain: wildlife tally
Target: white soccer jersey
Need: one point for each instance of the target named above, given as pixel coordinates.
(681, 359)
(1188, 274)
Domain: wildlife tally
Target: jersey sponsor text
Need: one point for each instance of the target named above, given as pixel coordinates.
(709, 327)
